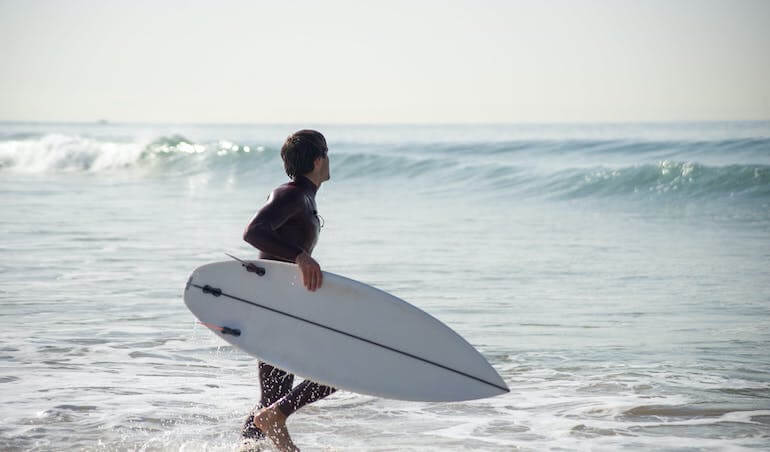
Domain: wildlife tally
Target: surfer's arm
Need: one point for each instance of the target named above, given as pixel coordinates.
(260, 232)
(310, 270)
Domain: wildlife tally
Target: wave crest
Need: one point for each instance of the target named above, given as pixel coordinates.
(64, 153)
(668, 178)
(531, 169)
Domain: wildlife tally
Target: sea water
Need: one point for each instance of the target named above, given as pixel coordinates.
(617, 276)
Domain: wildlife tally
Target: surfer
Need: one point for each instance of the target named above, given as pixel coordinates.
(286, 228)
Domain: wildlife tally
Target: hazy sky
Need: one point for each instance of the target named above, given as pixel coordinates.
(389, 61)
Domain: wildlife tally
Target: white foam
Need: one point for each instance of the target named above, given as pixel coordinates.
(56, 152)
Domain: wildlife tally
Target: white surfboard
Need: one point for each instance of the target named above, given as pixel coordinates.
(346, 334)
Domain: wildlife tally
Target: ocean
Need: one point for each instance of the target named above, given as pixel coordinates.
(616, 275)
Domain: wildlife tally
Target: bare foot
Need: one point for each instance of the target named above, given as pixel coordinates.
(272, 422)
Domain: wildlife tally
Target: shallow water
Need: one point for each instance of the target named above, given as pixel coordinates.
(614, 275)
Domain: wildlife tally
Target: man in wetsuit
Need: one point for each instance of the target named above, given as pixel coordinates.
(286, 228)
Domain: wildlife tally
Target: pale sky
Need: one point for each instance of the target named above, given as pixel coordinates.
(384, 62)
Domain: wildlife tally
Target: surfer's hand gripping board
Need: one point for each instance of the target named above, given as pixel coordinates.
(312, 277)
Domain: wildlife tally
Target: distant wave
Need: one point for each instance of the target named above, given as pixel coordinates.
(667, 178)
(566, 169)
(62, 153)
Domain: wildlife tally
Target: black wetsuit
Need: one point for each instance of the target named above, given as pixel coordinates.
(283, 228)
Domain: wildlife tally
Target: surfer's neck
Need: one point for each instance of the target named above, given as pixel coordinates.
(307, 183)
(314, 178)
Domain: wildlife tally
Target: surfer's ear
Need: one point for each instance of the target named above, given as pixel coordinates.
(318, 162)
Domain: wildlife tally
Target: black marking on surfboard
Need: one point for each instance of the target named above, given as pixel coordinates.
(212, 290)
(223, 329)
(208, 289)
(250, 266)
(232, 331)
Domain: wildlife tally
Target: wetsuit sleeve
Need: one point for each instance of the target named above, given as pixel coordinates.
(261, 231)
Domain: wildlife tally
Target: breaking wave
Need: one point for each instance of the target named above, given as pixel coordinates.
(564, 169)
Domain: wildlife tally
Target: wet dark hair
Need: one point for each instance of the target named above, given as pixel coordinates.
(300, 150)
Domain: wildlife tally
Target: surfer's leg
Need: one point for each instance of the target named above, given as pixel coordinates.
(272, 422)
(275, 384)
(249, 430)
(305, 393)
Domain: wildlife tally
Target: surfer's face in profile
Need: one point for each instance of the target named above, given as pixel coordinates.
(322, 166)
